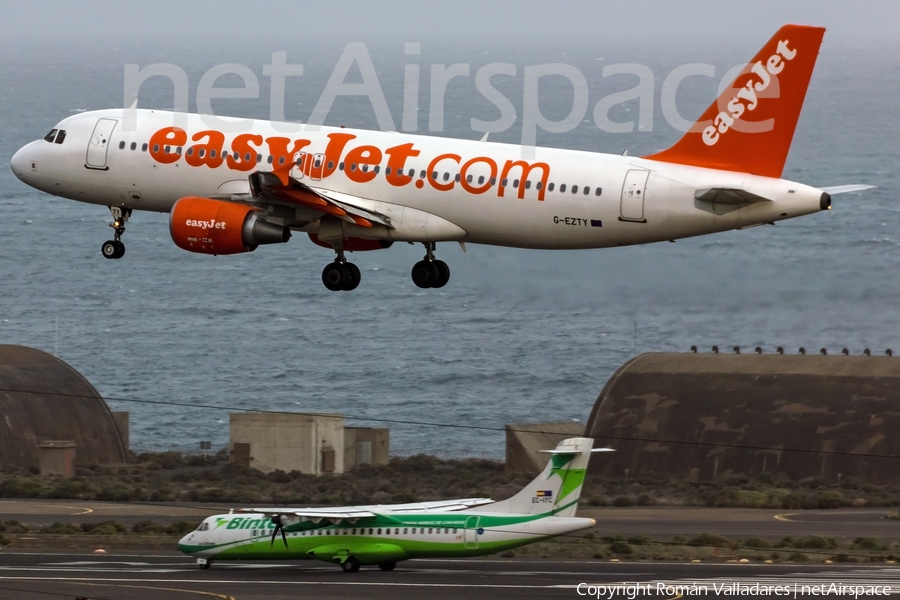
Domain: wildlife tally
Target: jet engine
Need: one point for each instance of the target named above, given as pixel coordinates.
(210, 226)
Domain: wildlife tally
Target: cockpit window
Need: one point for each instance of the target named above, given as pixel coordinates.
(61, 136)
(50, 136)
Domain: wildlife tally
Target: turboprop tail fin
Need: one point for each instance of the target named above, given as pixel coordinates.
(557, 489)
(750, 126)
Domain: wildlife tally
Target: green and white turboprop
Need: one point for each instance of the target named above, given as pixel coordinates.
(383, 535)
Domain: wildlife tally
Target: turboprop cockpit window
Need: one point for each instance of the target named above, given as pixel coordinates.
(50, 136)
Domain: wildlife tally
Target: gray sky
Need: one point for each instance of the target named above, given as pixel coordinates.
(338, 21)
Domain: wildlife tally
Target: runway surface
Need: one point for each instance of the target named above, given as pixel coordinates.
(132, 576)
(661, 522)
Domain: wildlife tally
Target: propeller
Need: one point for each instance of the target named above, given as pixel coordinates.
(278, 527)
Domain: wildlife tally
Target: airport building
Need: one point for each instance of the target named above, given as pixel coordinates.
(698, 416)
(52, 418)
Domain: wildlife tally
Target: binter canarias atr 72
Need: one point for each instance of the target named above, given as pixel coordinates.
(233, 188)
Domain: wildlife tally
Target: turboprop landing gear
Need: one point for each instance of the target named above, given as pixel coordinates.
(204, 563)
(351, 565)
(428, 272)
(114, 248)
(341, 275)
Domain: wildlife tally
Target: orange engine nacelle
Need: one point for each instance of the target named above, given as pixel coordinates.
(354, 244)
(216, 227)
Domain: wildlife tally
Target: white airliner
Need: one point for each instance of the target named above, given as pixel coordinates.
(353, 190)
(385, 534)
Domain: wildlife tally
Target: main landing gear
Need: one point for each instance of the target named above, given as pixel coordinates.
(114, 248)
(341, 275)
(428, 272)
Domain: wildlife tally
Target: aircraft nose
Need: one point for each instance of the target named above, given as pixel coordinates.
(18, 162)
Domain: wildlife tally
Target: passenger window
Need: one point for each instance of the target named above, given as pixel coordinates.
(353, 167)
(503, 183)
(133, 145)
(178, 150)
(550, 187)
(258, 158)
(364, 168)
(412, 172)
(156, 148)
(539, 185)
(201, 152)
(144, 148)
(457, 178)
(280, 159)
(480, 179)
(122, 145)
(331, 166)
(387, 170)
(599, 191)
(340, 166)
(212, 153)
(587, 190)
(493, 181)
(574, 189)
(190, 151)
(446, 176)
(50, 136)
(247, 157)
(168, 149)
(269, 160)
(377, 169)
(527, 185)
(516, 183)
(422, 175)
(434, 175)
(469, 178)
(562, 187)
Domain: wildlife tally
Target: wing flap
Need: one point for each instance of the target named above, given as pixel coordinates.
(345, 207)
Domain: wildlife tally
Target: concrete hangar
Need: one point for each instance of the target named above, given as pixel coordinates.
(698, 416)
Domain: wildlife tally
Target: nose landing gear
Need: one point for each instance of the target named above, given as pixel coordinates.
(429, 272)
(114, 248)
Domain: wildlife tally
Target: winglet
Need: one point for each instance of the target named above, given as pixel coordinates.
(750, 126)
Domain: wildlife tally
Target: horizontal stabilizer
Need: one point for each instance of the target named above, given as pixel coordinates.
(728, 196)
(846, 189)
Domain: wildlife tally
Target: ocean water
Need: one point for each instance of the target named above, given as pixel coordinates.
(517, 335)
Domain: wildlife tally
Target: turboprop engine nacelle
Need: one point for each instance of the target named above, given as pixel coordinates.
(211, 226)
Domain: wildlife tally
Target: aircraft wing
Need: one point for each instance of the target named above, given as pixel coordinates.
(346, 207)
(437, 506)
(845, 189)
(352, 513)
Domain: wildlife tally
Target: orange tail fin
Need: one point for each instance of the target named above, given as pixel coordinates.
(750, 126)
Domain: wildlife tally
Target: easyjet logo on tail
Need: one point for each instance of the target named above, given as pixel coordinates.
(747, 98)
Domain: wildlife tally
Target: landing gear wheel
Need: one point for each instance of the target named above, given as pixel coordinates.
(205, 565)
(354, 277)
(113, 249)
(387, 566)
(351, 565)
(424, 273)
(443, 274)
(335, 276)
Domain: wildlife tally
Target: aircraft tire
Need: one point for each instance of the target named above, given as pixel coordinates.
(424, 274)
(387, 566)
(354, 277)
(334, 276)
(206, 565)
(443, 274)
(351, 565)
(112, 249)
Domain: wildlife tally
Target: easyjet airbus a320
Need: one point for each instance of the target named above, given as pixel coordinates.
(352, 190)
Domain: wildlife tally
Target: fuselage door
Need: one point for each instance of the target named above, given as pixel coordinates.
(470, 533)
(99, 144)
(633, 193)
